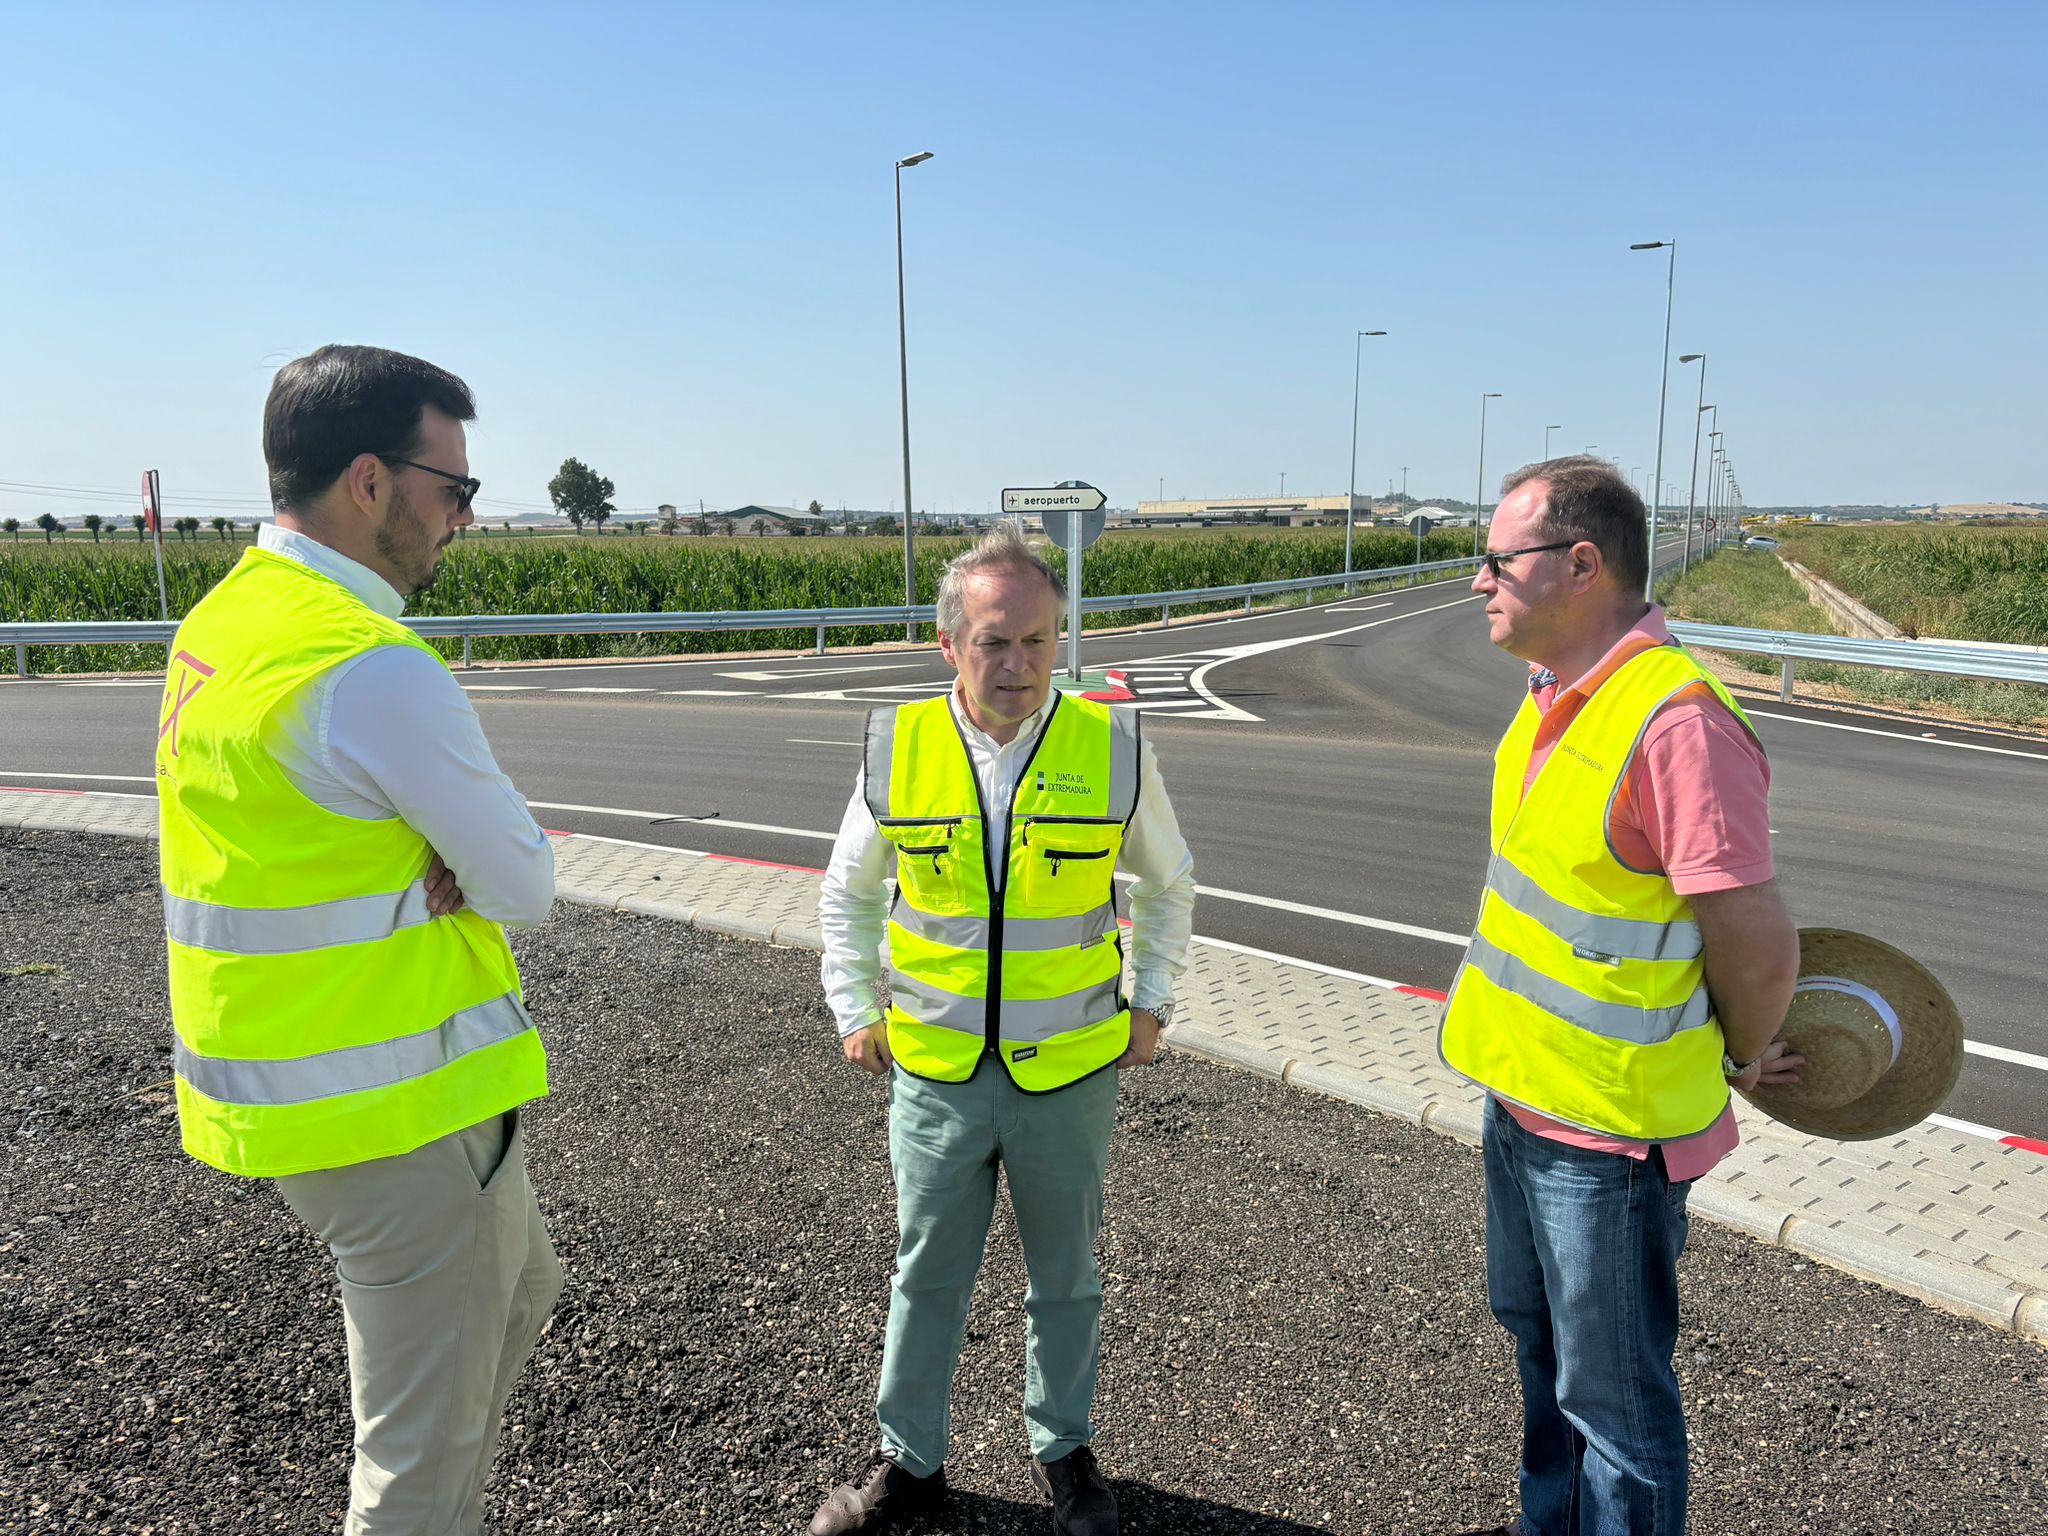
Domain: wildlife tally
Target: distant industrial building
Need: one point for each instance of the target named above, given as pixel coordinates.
(1283, 511)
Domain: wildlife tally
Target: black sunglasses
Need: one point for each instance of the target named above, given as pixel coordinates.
(469, 486)
(1494, 559)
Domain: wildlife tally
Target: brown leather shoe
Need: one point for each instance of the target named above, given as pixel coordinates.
(882, 1498)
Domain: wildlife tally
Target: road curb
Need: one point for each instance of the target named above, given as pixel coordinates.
(2013, 1306)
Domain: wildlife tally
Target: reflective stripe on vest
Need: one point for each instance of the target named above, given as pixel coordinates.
(1582, 994)
(323, 1017)
(355, 1068)
(1033, 972)
(288, 930)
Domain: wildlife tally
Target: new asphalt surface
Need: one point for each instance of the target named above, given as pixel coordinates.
(1296, 1337)
(1329, 765)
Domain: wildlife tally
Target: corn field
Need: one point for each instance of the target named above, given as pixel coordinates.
(1947, 581)
(680, 575)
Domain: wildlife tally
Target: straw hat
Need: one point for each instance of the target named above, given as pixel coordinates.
(1882, 1039)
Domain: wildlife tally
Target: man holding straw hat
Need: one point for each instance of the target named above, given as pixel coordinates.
(1631, 961)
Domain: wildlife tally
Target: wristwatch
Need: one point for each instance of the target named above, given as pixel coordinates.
(1163, 1012)
(1731, 1068)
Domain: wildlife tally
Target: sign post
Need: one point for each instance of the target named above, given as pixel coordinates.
(1073, 516)
(1420, 525)
(153, 520)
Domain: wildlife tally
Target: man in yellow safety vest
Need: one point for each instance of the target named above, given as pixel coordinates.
(340, 854)
(1004, 808)
(1631, 960)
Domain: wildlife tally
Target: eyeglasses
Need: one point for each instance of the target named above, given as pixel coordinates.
(469, 486)
(1494, 559)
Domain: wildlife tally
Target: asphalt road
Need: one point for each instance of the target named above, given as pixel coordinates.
(1329, 765)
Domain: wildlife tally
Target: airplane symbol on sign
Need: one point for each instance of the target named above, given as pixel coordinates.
(195, 670)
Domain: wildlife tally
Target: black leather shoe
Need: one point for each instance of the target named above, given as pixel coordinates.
(882, 1498)
(1082, 1504)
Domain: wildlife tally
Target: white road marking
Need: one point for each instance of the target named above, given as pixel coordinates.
(814, 741)
(710, 693)
(2000, 1053)
(1865, 730)
(602, 690)
(502, 688)
(776, 677)
(709, 821)
(119, 682)
(1358, 608)
(1968, 1127)
(1386, 925)
(90, 778)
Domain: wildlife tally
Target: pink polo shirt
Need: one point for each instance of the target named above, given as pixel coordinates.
(1694, 805)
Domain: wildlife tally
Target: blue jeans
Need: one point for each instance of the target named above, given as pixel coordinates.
(1582, 1268)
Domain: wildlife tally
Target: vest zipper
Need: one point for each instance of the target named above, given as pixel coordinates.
(993, 1015)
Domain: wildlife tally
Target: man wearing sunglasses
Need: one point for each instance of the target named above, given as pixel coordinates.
(1632, 960)
(340, 856)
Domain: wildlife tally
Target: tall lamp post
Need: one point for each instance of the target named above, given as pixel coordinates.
(1692, 483)
(1479, 505)
(903, 368)
(1714, 507)
(1351, 494)
(1554, 427)
(1663, 388)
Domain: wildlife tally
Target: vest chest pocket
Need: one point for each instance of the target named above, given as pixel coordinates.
(935, 858)
(1067, 862)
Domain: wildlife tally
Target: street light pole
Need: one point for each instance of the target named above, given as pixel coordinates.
(1351, 493)
(1714, 507)
(1663, 388)
(1692, 483)
(903, 369)
(1479, 505)
(1555, 427)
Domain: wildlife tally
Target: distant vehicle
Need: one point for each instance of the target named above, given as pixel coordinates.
(1760, 541)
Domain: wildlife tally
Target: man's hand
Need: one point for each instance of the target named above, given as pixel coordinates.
(443, 894)
(1776, 1065)
(1144, 1040)
(868, 1048)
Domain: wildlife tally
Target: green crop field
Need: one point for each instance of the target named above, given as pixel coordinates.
(116, 579)
(1751, 588)
(1940, 579)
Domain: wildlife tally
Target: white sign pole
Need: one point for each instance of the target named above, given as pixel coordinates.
(153, 509)
(1074, 596)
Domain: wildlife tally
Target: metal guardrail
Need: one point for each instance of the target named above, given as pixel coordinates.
(1791, 648)
(468, 627)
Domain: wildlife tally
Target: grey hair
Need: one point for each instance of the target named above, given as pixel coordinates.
(1002, 548)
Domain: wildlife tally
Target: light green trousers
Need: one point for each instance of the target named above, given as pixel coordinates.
(946, 1141)
(446, 1275)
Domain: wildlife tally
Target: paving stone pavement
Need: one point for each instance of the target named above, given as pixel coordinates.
(1953, 1219)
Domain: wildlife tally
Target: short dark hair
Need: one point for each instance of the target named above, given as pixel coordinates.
(331, 405)
(1592, 500)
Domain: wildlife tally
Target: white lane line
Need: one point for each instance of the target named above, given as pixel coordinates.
(601, 690)
(777, 677)
(1359, 608)
(2000, 1053)
(1384, 924)
(119, 682)
(90, 778)
(709, 821)
(709, 693)
(815, 741)
(1916, 740)
(502, 688)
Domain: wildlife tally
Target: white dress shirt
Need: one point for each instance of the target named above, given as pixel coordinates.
(853, 907)
(391, 733)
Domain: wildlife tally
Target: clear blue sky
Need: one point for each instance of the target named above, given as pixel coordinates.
(660, 238)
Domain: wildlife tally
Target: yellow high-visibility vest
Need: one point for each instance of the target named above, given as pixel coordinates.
(322, 1017)
(1582, 994)
(1033, 976)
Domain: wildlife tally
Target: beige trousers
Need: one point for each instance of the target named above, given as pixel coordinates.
(447, 1277)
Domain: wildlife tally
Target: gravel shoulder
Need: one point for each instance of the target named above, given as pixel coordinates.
(1296, 1337)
